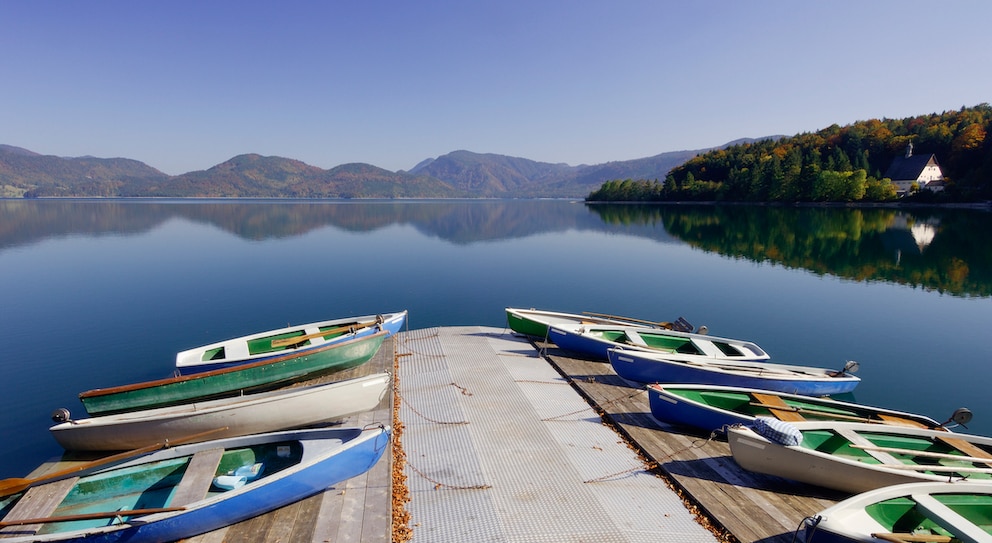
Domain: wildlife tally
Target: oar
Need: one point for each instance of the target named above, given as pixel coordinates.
(14, 485)
(938, 467)
(663, 324)
(913, 538)
(299, 339)
(90, 516)
(929, 454)
(814, 412)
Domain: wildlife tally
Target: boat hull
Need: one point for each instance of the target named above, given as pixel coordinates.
(342, 454)
(258, 347)
(228, 382)
(851, 469)
(714, 407)
(909, 508)
(535, 322)
(281, 409)
(649, 368)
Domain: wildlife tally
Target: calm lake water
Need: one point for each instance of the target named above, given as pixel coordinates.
(103, 293)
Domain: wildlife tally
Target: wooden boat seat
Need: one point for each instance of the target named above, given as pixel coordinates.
(778, 407)
(196, 480)
(38, 502)
(965, 447)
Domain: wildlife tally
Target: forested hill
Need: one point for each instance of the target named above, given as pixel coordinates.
(838, 163)
(460, 174)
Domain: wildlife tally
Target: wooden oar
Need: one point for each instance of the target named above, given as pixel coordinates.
(913, 538)
(90, 516)
(300, 339)
(818, 412)
(929, 454)
(14, 485)
(664, 324)
(938, 467)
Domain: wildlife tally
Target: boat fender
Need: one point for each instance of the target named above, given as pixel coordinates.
(61, 415)
(778, 431)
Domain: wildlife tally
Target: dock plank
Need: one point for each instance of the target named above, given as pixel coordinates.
(701, 467)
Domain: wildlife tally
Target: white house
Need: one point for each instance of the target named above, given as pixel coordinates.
(920, 169)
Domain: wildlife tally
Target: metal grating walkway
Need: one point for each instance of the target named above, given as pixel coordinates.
(500, 448)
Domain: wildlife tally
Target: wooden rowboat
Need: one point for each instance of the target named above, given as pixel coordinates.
(276, 343)
(593, 340)
(713, 407)
(256, 376)
(648, 367)
(187, 490)
(911, 513)
(857, 457)
(535, 322)
(262, 412)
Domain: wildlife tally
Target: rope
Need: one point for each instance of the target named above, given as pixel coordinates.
(655, 464)
(425, 417)
(438, 484)
(593, 408)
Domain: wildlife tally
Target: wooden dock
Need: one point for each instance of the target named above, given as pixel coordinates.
(507, 439)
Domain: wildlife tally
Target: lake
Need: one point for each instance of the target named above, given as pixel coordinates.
(99, 293)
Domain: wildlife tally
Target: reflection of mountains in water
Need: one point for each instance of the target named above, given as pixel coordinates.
(456, 221)
(936, 249)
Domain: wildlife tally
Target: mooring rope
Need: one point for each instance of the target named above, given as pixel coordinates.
(438, 484)
(655, 464)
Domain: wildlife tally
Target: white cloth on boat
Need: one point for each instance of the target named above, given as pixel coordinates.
(778, 431)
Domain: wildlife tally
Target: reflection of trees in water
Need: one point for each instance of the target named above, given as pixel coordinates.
(935, 249)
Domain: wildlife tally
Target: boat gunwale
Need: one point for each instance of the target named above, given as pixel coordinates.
(97, 392)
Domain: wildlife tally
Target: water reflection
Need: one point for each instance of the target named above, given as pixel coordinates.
(935, 249)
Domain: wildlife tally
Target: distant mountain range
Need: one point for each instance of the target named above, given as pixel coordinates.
(459, 174)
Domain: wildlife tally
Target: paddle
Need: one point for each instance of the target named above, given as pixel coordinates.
(90, 516)
(913, 538)
(924, 453)
(300, 339)
(664, 324)
(14, 485)
(831, 414)
(938, 467)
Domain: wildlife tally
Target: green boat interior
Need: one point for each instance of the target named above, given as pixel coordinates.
(908, 449)
(903, 515)
(158, 484)
(746, 404)
(660, 342)
(278, 343)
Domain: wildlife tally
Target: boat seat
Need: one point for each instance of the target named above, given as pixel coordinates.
(948, 519)
(968, 448)
(778, 408)
(38, 502)
(856, 439)
(196, 480)
(635, 339)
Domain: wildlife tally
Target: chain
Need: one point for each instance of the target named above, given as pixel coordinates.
(438, 484)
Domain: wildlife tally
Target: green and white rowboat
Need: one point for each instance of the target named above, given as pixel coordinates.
(263, 375)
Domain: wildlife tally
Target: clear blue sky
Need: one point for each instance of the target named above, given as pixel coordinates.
(185, 85)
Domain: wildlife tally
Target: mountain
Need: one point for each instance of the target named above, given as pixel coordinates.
(459, 174)
(25, 173)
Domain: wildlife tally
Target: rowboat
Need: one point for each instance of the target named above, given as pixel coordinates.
(258, 413)
(648, 367)
(179, 492)
(913, 512)
(299, 340)
(535, 322)
(593, 340)
(226, 382)
(857, 457)
(713, 407)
